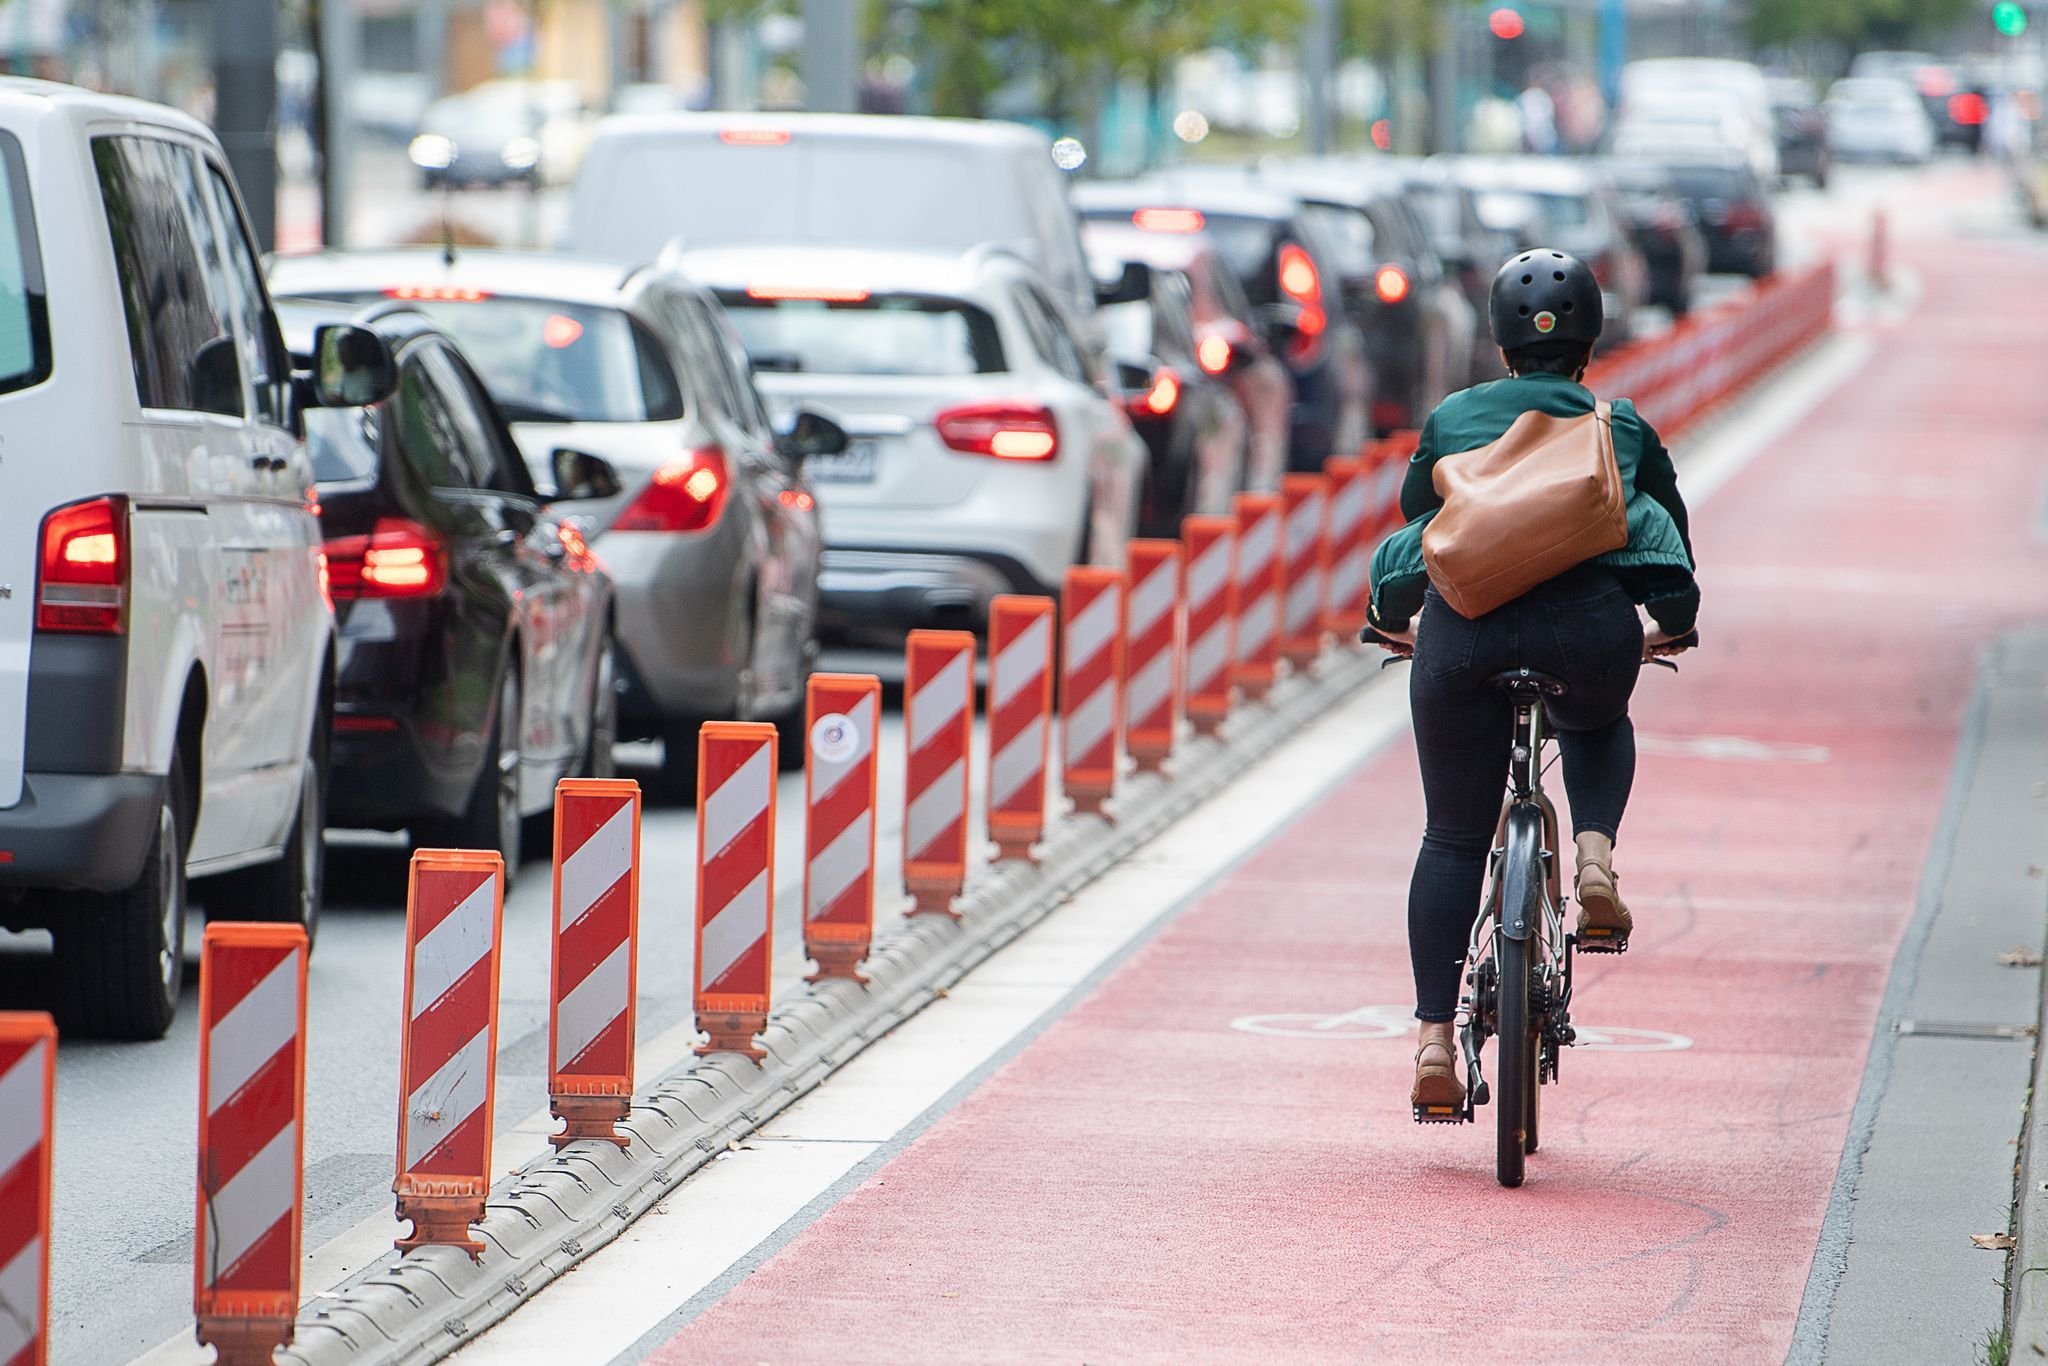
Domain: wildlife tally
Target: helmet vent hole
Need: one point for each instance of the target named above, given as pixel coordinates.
(1528, 279)
(1565, 307)
(1557, 275)
(1558, 254)
(1523, 311)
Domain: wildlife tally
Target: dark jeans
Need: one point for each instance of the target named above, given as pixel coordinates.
(1581, 627)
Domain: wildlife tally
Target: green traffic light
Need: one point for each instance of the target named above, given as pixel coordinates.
(2009, 18)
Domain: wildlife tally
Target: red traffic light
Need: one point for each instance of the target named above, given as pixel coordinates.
(1505, 23)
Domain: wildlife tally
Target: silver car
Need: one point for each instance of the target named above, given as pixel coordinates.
(712, 536)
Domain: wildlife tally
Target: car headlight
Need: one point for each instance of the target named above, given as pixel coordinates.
(520, 153)
(431, 151)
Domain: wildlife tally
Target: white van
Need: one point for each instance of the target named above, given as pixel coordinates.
(165, 638)
(843, 180)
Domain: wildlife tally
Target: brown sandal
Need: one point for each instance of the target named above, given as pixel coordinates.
(1438, 1096)
(1604, 921)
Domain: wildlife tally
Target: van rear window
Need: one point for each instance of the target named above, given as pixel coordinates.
(24, 310)
(886, 334)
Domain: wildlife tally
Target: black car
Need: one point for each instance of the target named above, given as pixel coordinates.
(1734, 214)
(475, 627)
(1470, 248)
(1801, 126)
(1194, 430)
(1664, 229)
(1289, 273)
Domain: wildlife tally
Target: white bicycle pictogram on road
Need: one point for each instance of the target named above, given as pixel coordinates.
(1392, 1022)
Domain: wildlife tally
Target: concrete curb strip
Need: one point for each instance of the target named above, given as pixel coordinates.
(562, 1207)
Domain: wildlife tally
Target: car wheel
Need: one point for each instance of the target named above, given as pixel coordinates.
(491, 819)
(598, 760)
(288, 889)
(121, 955)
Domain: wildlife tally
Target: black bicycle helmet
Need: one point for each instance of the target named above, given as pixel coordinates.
(1544, 295)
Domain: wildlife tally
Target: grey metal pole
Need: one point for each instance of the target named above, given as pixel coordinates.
(830, 63)
(245, 104)
(1444, 70)
(1318, 64)
(336, 33)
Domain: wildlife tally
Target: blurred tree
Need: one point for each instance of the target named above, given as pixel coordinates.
(1857, 23)
(1380, 28)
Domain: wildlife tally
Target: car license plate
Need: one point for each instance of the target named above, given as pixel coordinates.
(854, 465)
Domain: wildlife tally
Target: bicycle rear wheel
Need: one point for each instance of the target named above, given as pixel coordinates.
(1517, 1083)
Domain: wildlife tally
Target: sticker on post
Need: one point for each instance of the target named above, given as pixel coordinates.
(835, 737)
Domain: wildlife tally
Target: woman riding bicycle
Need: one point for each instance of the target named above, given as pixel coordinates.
(1581, 626)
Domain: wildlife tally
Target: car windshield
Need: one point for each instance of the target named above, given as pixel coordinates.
(889, 334)
(548, 361)
(1709, 182)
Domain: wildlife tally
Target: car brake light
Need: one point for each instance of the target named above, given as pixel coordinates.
(84, 581)
(1967, 109)
(1743, 214)
(754, 137)
(1006, 430)
(1168, 220)
(1213, 354)
(823, 294)
(1158, 400)
(1300, 282)
(398, 559)
(437, 294)
(1391, 283)
(684, 495)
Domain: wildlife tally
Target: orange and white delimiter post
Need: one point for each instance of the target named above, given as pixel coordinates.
(1091, 683)
(1019, 721)
(252, 1108)
(735, 883)
(842, 713)
(938, 717)
(1349, 586)
(28, 1087)
(594, 972)
(454, 914)
(1260, 586)
(1153, 661)
(1305, 501)
(1211, 547)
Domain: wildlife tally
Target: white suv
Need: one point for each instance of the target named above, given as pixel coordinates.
(165, 640)
(984, 457)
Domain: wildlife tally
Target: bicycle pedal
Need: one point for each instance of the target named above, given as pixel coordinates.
(1441, 1114)
(1600, 939)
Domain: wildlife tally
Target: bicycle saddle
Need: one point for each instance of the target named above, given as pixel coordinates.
(1527, 685)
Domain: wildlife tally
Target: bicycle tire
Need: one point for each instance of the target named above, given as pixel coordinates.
(1535, 1073)
(1516, 1080)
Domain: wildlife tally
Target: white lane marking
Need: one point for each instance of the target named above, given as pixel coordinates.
(591, 1004)
(246, 1037)
(444, 1100)
(1210, 572)
(1019, 761)
(735, 803)
(1150, 686)
(1734, 749)
(252, 1201)
(596, 867)
(1153, 598)
(736, 928)
(850, 853)
(935, 808)
(21, 1294)
(1023, 661)
(1092, 628)
(453, 947)
(941, 699)
(1088, 723)
(21, 1108)
(1391, 1022)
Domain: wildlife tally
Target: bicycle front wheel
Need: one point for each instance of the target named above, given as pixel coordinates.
(1517, 1076)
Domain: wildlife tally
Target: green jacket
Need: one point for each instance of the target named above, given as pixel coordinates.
(1656, 565)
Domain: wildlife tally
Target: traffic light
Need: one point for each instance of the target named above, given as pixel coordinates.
(2009, 17)
(1505, 23)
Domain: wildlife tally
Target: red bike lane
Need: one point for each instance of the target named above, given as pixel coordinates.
(1162, 1175)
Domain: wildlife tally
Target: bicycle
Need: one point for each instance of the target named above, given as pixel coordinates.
(1518, 978)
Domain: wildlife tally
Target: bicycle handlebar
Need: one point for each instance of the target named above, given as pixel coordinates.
(1402, 650)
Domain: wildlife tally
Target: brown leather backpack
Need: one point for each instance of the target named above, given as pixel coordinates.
(1544, 497)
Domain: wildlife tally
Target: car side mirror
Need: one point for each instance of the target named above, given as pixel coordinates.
(352, 366)
(580, 475)
(1134, 376)
(215, 377)
(813, 433)
(1133, 285)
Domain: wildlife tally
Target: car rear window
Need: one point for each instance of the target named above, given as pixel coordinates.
(877, 334)
(1128, 328)
(24, 311)
(1710, 182)
(544, 360)
(1348, 232)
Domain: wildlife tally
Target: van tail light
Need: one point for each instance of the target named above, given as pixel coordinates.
(1212, 353)
(1302, 283)
(684, 495)
(1008, 430)
(1391, 284)
(1743, 215)
(83, 583)
(1159, 399)
(398, 559)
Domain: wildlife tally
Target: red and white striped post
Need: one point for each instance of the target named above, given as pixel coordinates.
(1259, 589)
(735, 883)
(842, 714)
(448, 1069)
(252, 1113)
(1350, 583)
(1019, 721)
(1091, 683)
(938, 717)
(28, 1088)
(1305, 500)
(1211, 544)
(594, 974)
(1152, 696)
